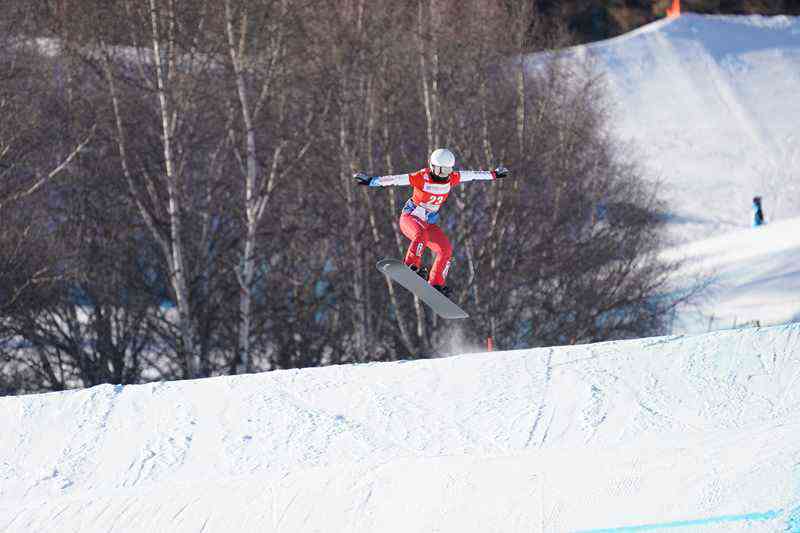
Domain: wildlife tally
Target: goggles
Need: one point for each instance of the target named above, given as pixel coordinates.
(442, 172)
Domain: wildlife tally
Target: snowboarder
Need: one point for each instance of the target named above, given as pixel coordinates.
(758, 212)
(420, 213)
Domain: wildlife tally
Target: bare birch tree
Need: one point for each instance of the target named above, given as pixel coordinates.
(271, 131)
(165, 71)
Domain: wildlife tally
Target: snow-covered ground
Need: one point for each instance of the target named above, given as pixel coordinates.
(754, 276)
(701, 430)
(684, 433)
(712, 105)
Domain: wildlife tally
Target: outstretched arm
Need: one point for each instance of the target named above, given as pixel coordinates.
(469, 175)
(382, 181)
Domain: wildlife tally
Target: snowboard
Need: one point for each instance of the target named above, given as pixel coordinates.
(441, 305)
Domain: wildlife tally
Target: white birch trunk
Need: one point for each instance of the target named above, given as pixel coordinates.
(252, 203)
(258, 183)
(177, 262)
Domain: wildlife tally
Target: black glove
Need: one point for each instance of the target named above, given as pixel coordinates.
(361, 178)
(501, 172)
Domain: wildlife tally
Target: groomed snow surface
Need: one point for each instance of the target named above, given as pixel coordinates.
(695, 432)
(712, 105)
(753, 277)
(700, 430)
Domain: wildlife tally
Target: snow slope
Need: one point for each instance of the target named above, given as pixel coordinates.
(701, 430)
(713, 104)
(754, 275)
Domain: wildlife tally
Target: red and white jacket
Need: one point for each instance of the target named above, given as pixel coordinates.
(429, 194)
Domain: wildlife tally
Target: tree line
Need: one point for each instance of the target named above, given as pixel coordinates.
(176, 197)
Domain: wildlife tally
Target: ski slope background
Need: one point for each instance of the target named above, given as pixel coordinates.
(683, 433)
(711, 106)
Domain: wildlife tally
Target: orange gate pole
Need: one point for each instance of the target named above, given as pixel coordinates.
(675, 10)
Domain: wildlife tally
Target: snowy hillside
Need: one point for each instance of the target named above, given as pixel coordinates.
(713, 104)
(754, 275)
(703, 430)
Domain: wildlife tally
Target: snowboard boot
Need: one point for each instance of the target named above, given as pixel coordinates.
(444, 289)
(421, 271)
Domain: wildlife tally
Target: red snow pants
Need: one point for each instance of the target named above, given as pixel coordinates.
(422, 235)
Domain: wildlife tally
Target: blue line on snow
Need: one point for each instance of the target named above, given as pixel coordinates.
(749, 517)
(793, 521)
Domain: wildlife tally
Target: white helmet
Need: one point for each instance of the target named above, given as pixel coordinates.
(442, 162)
